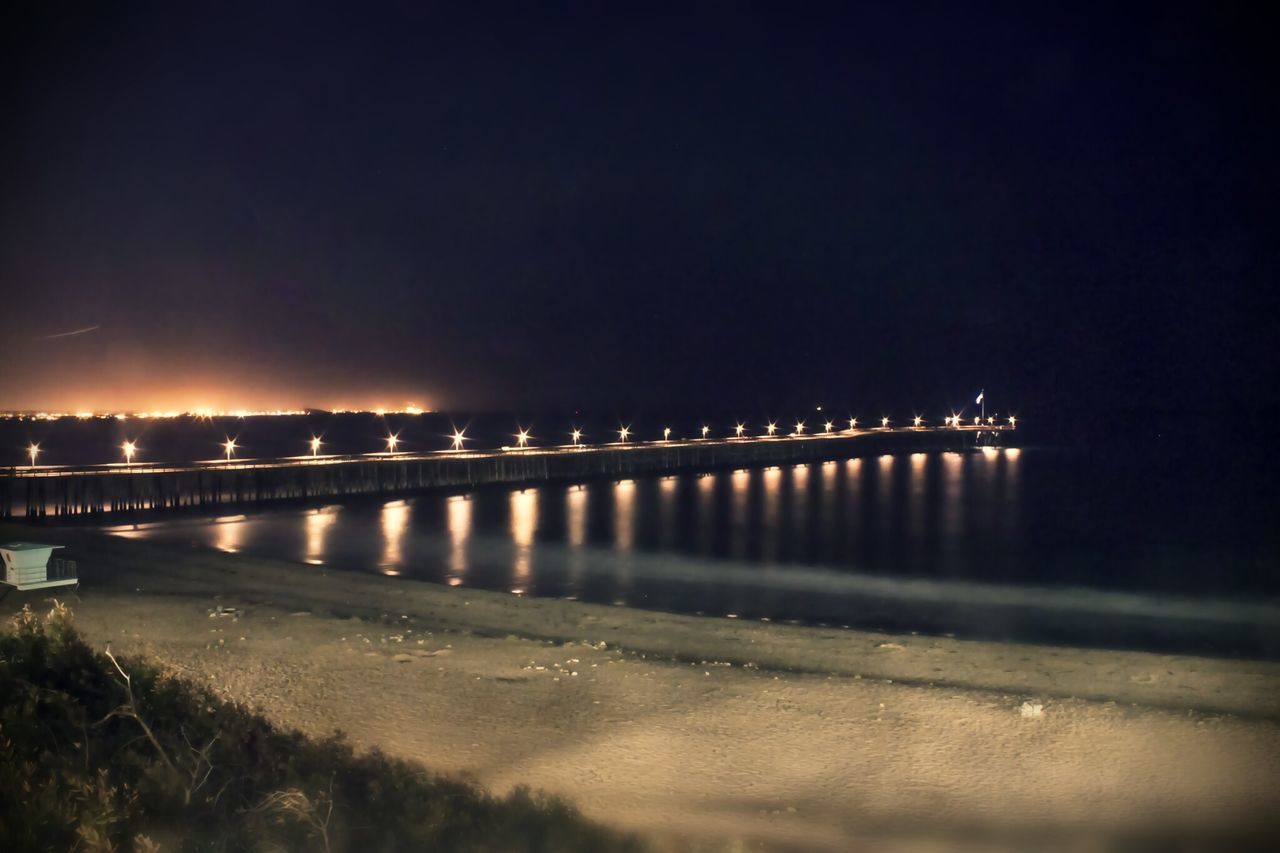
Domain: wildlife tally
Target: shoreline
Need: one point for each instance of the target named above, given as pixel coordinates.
(1245, 626)
(694, 727)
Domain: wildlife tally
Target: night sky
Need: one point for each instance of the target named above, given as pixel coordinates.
(719, 204)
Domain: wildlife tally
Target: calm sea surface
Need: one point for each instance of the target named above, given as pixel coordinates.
(1107, 546)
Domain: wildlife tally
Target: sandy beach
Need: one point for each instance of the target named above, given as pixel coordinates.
(716, 731)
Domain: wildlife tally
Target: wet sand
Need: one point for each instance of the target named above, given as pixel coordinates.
(714, 730)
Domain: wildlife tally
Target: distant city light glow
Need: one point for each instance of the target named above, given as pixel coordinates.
(208, 412)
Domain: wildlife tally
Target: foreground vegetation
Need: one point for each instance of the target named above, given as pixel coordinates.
(99, 753)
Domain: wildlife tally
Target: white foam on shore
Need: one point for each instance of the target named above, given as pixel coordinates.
(975, 594)
(673, 569)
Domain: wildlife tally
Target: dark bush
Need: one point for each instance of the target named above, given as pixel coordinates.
(104, 754)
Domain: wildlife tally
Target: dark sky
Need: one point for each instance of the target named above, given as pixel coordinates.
(621, 205)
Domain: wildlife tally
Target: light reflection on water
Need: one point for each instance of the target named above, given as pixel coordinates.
(229, 533)
(459, 509)
(772, 484)
(395, 525)
(318, 522)
(729, 541)
(667, 511)
(576, 529)
(739, 519)
(524, 523)
(706, 512)
(624, 530)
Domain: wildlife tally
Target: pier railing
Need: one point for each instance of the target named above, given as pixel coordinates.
(37, 491)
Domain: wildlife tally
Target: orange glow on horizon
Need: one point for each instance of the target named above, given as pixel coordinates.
(162, 405)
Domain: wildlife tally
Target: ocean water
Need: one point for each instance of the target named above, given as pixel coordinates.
(1142, 545)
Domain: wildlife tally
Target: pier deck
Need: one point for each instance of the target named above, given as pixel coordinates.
(38, 491)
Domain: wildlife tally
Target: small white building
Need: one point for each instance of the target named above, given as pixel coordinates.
(27, 566)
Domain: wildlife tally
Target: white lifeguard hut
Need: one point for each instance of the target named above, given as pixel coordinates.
(27, 565)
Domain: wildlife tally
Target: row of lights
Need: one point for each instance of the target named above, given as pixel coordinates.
(130, 448)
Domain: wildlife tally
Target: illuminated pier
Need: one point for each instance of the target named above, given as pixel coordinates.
(37, 491)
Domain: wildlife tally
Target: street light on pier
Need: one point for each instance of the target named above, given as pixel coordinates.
(884, 423)
(738, 429)
(917, 420)
(991, 419)
(853, 424)
(33, 451)
(522, 437)
(459, 436)
(624, 433)
(666, 433)
(129, 449)
(799, 428)
(315, 446)
(827, 426)
(229, 448)
(576, 435)
(976, 420)
(392, 441)
(771, 428)
(1013, 422)
(705, 429)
